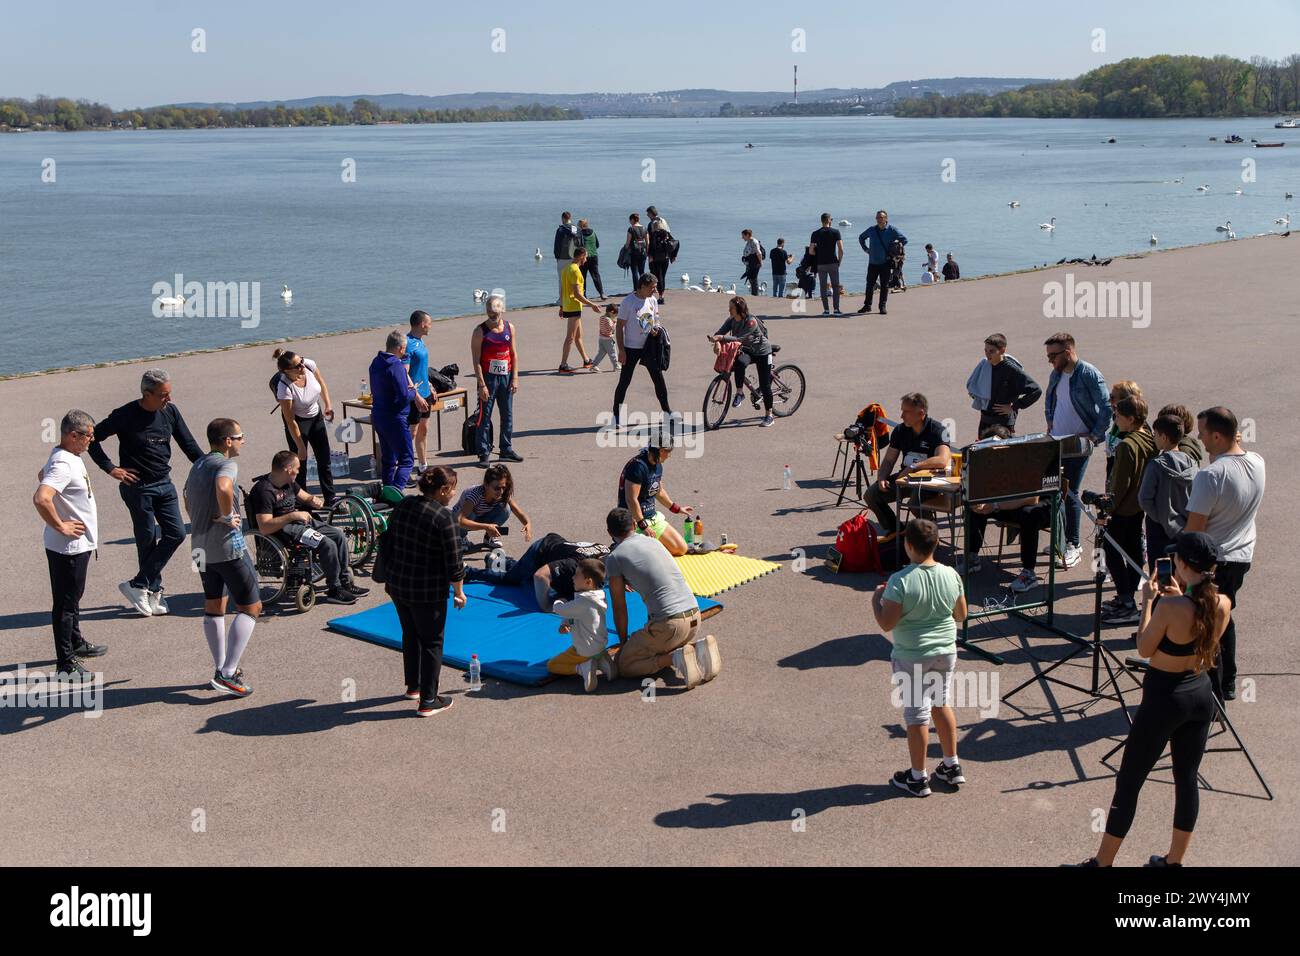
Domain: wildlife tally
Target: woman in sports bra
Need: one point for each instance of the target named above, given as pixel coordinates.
(494, 346)
(1179, 632)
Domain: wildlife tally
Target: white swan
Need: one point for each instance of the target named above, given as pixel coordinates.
(1283, 220)
(1178, 181)
(1048, 226)
(1231, 234)
(1226, 227)
(707, 283)
(845, 223)
(762, 288)
(172, 303)
(1237, 193)
(537, 253)
(1202, 189)
(696, 288)
(1014, 204)
(286, 293)
(480, 295)
(1154, 239)
(731, 290)
(686, 280)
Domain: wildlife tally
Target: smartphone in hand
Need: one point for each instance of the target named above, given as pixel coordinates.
(1164, 572)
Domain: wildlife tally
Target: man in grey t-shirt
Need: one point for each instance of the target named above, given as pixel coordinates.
(671, 636)
(213, 501)
(1226, 495)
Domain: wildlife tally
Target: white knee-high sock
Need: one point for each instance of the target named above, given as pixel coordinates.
(241, 629)
(214, 629)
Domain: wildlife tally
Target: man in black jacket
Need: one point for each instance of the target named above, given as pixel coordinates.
(1000, 387)
(145, 430)
(567, 241)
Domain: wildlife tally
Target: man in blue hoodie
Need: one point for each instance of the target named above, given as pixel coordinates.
(392, 392)
(1077, 404)
(875, 242)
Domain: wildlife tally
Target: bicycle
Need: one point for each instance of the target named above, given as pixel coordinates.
(787, 392)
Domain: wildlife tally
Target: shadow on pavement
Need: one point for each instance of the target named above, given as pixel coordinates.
(841, 652)
(742, 809)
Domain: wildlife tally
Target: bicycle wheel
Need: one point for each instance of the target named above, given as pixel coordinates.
(351, 515)
(787, 390)
(716, 401)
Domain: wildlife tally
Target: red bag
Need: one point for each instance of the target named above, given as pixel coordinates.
(857, 547)
(726, 357)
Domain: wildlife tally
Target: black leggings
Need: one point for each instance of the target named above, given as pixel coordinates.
(764, 365)
(752, 266)
(634, 357)
(659, 269)
(1176, 710)
(316, 436)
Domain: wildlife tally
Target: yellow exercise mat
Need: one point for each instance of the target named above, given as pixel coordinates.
(710, 574)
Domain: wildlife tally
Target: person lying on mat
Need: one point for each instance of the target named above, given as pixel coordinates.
(584, 613)
(487, 507)
(641, 485)
(671, 636)
(539, 565)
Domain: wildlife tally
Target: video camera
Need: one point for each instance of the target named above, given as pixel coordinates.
(860, 431)
(1102, 502)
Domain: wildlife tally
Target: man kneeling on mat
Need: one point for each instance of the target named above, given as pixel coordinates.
(585, 620)
(671, 636)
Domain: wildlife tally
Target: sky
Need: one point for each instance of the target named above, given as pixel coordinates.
(133, 53)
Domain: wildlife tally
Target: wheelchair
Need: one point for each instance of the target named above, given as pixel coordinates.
(284, 569)
(363, 517)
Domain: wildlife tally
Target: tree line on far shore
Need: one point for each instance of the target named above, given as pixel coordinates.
(1139, 88)
(64, 114)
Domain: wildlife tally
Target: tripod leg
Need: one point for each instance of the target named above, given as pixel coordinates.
(1223, 715)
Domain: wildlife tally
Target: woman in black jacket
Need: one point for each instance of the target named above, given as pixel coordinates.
(421, 560)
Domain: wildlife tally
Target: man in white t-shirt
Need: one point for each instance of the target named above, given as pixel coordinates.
(66, 504)
(638, 314)
(1226, 495)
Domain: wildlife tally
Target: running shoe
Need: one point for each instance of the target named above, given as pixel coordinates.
(156, 603)
(589, 673)
(73, 672)
(1025, 580)
(339, 596)
(412, 693)
(433, 707)
(138, 598)
(509, 454)
(1124, 614)
(904, 781)
(838, 313)
(708, 657)
(605, 664)
(864, 309)
(89, 650)
(882, 311)
(950, 775)
(234, 684)
(826, 312)
(1090, 862)
(589, 364)
(767, 422)
(1159, 861)
(566, 370)
(687, 665)
(492, 544)
(736, 402)
(356, 589)
(1073, 555)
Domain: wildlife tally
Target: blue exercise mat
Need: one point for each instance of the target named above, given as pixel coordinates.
(501, 624)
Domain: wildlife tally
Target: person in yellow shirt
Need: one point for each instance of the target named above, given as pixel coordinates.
(571, 302)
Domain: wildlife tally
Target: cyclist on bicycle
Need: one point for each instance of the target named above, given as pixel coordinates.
(755, 348)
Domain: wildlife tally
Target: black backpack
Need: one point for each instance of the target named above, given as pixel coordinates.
(275, 390)
(470, 429)
(762, 253)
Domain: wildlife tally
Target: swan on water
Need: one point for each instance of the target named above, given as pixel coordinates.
(172, 303)
(1283, 220)
(1202, 189)
(1154, 239)
(1048, 226)
(1014, 204)
(286, 293)
(686, 280)
(537, 253)
(1226, 227)
(480, 295)
(845, 223)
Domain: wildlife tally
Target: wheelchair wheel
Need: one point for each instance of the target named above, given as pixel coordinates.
(271, 564)
(716, 401)
(304, 599)
(787, 390)
(355, 518)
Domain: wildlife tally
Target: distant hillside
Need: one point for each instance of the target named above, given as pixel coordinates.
(696, 102)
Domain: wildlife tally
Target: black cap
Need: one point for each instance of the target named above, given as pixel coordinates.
(1196, 549)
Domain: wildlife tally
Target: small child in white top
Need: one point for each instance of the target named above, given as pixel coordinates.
(585, 620)
(607, 344)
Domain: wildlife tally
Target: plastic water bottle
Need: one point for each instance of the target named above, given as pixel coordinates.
(699, 528)
(237, 545)
(475, 673)
(785, 479)
(365, 390)
(688, 532)
(313, 470)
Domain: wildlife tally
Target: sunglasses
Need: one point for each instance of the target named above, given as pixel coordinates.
(1051, 356)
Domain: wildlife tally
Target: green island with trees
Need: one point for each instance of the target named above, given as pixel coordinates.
(1138, 88)
(47, 113)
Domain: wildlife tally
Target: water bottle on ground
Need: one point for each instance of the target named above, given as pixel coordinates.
(475, 673)
(688, 532)
(785, 479)
(699, 528)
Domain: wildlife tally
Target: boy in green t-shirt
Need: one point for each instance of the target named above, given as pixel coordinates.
(922, 604)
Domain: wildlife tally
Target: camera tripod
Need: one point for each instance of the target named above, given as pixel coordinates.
(1101, 654)
(854, 470)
